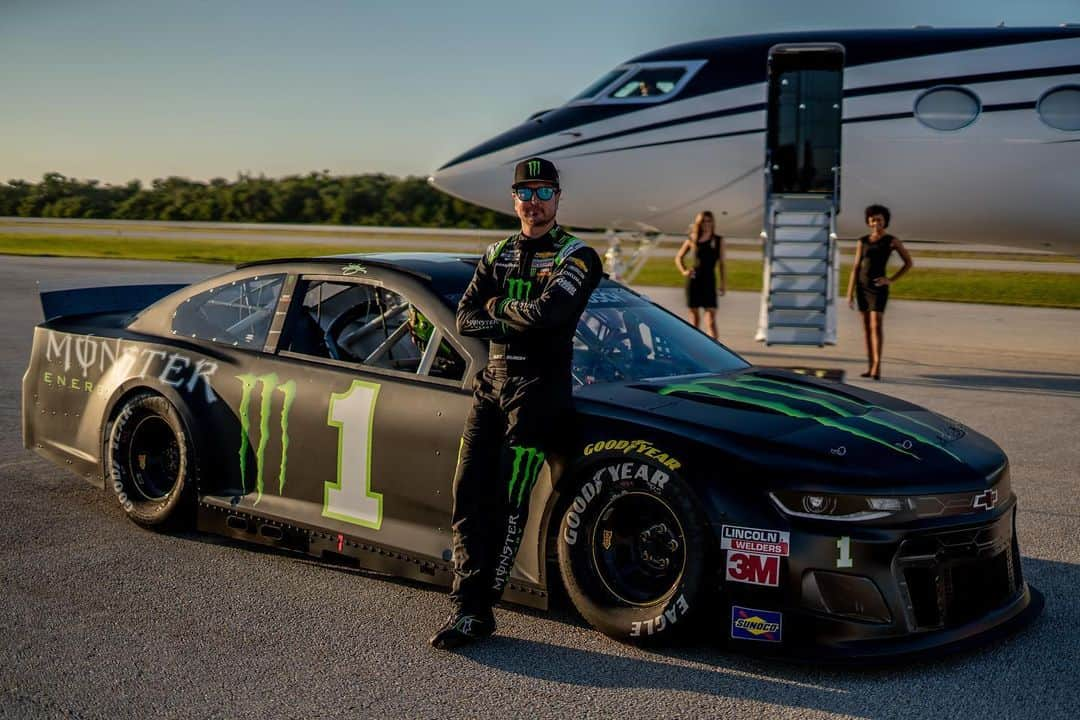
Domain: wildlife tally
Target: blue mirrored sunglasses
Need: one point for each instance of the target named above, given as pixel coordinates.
(525, 194)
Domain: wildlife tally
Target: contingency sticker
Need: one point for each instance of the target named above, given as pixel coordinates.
(755, 540)
(753, 624)
(753, 568)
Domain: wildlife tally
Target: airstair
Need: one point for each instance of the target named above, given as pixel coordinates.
(802, 194)
(800, 283)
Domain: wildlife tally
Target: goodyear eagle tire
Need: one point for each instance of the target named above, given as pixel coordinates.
(149, 461)
(633, 551)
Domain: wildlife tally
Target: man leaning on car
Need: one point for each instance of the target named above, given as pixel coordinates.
(525, 298)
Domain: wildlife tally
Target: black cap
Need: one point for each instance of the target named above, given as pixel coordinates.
(536, 170)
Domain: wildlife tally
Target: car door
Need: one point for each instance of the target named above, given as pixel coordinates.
(359, 416)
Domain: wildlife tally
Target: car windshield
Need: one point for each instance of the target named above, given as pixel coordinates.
(622, 336)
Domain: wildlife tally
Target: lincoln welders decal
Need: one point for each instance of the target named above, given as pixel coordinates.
(755, 540)
(268, 383)
(93, 356)
(845, 413)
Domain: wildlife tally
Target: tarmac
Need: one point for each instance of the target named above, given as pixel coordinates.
(102, 619)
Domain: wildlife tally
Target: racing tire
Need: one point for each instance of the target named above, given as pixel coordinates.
(150, 463)
(633, 552)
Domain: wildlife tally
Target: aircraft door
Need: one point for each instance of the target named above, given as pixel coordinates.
(804, 113)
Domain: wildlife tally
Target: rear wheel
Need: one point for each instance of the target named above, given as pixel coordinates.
(633, 552)
(149, 461)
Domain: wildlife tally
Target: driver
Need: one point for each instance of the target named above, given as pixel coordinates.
(525, 297)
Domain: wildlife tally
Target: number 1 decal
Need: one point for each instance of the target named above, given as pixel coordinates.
(350, 498)
(843, 547)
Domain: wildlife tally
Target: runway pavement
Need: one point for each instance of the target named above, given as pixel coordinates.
(101, 619)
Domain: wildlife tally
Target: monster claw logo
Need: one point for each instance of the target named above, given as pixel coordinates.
(518, 289)
(534, 168)
(534, 459)
(268, 383)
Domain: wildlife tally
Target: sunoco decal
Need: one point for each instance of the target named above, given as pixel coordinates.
(753, 568)
(755, 540)
(634, 447)
(753, 624)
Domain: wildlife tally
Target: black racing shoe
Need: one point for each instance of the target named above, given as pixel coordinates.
(462, 628)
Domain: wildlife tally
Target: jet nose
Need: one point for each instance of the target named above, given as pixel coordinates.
(486, 184)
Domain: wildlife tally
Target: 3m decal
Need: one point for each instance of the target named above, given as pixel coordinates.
(755, 540)
(752, 624)
(843, 549)
(350, 498)
(669, 617)
(268, 383)
(635, 447)
(753, 568)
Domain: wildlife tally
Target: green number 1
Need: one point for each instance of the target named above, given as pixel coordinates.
(350, 498)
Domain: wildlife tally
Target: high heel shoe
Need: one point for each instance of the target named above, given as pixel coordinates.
(865, 374)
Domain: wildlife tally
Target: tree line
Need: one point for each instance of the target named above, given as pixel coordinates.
(372, 199)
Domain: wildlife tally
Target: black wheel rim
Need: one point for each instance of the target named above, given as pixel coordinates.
(639, 548)
(153, 458)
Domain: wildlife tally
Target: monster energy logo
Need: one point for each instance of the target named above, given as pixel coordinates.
(519, 289)
(534, 168)
(841, 411)
(523, 478)
(268, 384)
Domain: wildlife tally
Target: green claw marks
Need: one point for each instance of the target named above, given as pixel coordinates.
(844, 413)
(268, 384)
(534, 460)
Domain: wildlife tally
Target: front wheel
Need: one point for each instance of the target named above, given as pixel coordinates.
(149, 461)
(633, 551)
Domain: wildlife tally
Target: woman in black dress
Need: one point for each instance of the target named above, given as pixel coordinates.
(869, 284)
(706, 250)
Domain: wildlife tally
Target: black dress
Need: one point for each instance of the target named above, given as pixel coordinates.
(701, 288)
(875, 256)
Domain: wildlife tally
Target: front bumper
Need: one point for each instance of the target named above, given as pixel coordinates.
(889, 594)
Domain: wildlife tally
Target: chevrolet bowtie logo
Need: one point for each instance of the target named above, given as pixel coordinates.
(985, 500)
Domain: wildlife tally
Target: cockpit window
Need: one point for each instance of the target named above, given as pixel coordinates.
(599, 85)
(646, 82)
(649, 81)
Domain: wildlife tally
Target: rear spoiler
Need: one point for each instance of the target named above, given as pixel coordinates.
(110, 299)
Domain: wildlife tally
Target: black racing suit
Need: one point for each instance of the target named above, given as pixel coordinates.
(525, 298)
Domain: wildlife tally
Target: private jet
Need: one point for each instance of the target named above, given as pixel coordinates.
(968, 135)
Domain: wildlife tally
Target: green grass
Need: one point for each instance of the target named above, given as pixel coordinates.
(993, 287)
(975, 286)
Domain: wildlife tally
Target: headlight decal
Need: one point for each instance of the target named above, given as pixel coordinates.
(697, 388)
(832, 402)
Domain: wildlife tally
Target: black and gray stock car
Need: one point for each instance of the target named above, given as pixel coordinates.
(316, 405)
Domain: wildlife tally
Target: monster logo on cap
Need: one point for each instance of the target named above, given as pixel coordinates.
(536, 169)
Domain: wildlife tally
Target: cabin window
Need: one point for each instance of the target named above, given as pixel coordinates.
(236, 314)
(947, 108)
(1060, 107)
(649, 82)
(599, 85)
(646, 82)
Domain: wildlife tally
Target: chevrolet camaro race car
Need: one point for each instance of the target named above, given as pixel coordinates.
(317, 405)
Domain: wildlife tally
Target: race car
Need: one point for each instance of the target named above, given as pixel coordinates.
(316, 405)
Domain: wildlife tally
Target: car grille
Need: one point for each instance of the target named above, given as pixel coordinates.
(952, 578)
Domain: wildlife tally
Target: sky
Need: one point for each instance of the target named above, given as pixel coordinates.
(116, 90)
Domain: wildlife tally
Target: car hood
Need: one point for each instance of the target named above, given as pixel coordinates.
(813, 432)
